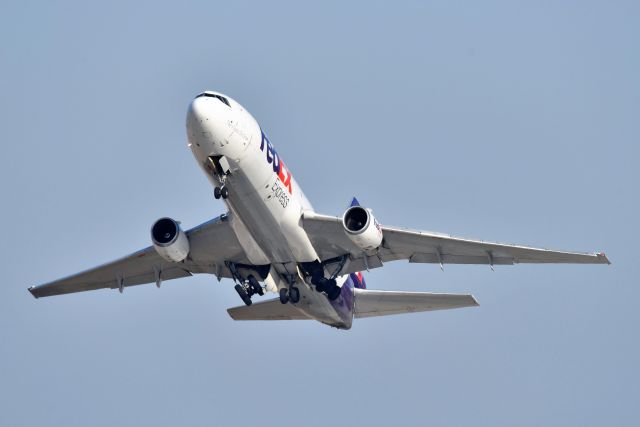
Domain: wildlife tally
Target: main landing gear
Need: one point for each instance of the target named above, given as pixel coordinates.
(221, 192)
(245, 288)
(315, 270)
(329, 286)
(290, 295)
(248, 289)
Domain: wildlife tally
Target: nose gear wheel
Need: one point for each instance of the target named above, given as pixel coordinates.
(219, 192)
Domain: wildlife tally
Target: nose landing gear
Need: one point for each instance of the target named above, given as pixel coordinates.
(219, 168)
(221, 192)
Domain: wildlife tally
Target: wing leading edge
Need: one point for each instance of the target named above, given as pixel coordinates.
(330, 240)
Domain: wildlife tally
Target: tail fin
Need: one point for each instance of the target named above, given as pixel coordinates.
(358, 280)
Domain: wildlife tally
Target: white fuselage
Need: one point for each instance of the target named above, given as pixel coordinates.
(265, 202)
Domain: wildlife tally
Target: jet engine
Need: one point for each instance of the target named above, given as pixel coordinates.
(362, 228)
(169, 240)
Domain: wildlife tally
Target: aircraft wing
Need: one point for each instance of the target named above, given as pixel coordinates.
(211, 243)
(331, 242)
(267, 310)
(384, 303)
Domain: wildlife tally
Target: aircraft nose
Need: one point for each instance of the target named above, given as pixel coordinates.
(199, 111)
(205, 120)
(214, 126)
(208, 106)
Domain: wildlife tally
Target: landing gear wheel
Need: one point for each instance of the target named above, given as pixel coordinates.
(334, 292)
(294, 295)
(224, 192)
(217, 193)
(243, 294)
(284, 296)
(321, 285)
(255, 286)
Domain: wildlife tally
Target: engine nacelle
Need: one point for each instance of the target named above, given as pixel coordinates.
(169, 240)
(362, 228)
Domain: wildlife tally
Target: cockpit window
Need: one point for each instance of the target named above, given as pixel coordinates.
(213, 95)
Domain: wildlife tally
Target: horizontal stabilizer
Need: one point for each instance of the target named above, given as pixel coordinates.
(383, 303)
(267, 310)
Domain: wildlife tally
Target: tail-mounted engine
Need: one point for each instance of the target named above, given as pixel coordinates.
(169, 240)
(362, 228)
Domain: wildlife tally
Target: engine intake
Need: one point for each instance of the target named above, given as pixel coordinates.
(169, 240)
(362, 228)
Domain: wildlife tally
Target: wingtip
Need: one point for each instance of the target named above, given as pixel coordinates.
(475, 301)
(604, 258)
(32, 289)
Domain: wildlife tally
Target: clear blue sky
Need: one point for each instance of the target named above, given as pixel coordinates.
(498, 120)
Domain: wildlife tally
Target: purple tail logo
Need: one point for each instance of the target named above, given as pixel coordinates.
(358, 280)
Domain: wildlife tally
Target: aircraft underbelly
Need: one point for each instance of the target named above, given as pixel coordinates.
(262, 230)
(264, 221)
(272, 222)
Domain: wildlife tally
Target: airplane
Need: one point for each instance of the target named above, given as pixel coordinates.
(272, 240)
